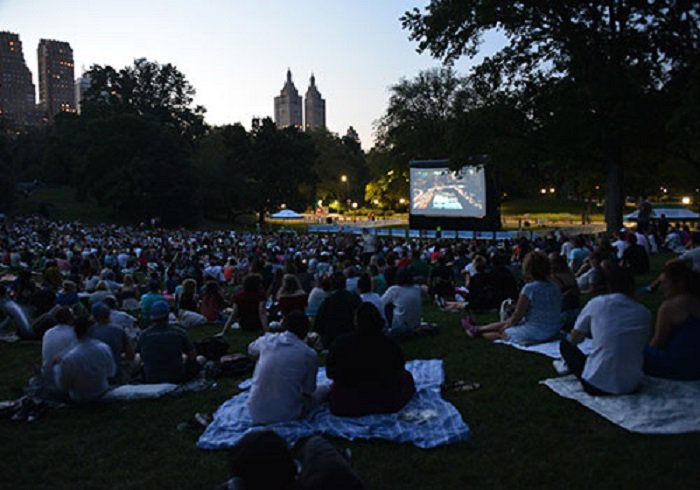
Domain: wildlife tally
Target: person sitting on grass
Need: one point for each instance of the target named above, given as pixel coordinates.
(284, 381)
(335, 315)
(162, 347)
(620, 328)
(148, 299)
(58, 339)
(115, 337)
(405, 299)
(367, 369)
(537, 314)
(674, 350)
(84, 371)
(364, 287)
(249, 307)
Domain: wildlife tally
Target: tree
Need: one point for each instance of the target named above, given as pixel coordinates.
(614, 53)
(140, 169)
(146, 88)
(336, 157)
(279, 170)
(418, 115)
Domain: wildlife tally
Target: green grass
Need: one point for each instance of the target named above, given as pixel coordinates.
(523, 435)
(61, 204)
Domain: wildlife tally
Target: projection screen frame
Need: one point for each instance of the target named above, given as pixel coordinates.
(492, 218)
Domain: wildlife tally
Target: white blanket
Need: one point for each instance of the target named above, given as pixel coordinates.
(549, 349)
(660, 406)
(139, 392)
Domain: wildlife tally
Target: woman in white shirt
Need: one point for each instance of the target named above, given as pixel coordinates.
(405, 298)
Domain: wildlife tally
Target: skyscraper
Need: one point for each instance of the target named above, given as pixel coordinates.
(81, 86)
(56, 83)
(314, 107)
(288, 105)
(16, 88)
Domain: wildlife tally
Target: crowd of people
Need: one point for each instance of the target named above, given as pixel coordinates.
(112, 305)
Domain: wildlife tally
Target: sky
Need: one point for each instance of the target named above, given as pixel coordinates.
(236, 53)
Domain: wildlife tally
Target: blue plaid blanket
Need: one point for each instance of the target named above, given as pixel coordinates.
(426, 421)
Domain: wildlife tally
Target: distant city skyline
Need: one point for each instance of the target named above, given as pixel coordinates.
(236, 53)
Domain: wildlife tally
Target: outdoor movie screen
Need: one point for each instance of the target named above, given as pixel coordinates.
(444, 192)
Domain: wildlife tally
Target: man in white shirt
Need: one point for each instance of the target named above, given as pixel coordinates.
(284, 382)
(620, 328)
(84, 371)
(58, 339)
(405, 298)
(620, 244)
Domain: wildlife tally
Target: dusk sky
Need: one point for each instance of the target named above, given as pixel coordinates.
(236, 53)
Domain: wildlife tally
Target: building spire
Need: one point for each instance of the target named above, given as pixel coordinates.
(313, 79)
(289, 75)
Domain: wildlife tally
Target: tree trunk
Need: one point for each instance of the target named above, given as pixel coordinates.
(261, 218)
(614, 187)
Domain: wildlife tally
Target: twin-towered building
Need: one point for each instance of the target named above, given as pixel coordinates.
(288, 106)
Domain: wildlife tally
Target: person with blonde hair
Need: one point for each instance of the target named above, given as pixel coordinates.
(537, 314)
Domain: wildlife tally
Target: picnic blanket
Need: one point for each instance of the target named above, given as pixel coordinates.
(156, 390)
(426, 421)
(660, 406)
(549, 349)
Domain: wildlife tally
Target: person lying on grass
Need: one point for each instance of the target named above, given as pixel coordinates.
(537, 314)
(367, 369)
(284, 381)
(620, 328)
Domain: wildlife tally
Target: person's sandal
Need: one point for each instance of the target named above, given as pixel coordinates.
(470, 328)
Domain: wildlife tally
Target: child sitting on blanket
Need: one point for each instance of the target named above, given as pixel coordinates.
(620, 328)
(367, 369)
(284, 382)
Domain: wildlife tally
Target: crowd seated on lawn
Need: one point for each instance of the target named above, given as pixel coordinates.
(145, 278)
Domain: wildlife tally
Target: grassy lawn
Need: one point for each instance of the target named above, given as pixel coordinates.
(61, 204)
(523, 434)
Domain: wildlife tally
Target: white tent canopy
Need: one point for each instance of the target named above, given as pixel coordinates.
(286, 214)
(672, 214)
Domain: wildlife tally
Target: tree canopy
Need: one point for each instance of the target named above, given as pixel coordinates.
(612, 59)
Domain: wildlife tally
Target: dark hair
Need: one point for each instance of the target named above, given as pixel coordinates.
(404, 277)
(64, 315)
(679, 272)
(536, 266)
(337, 281)
(263, 461)
(619, 279)
(557, 263)
(154, 286)
(252, 283)
(695, 237)
(364, 283)
(368, 320)
(82, 325)
(297, 323)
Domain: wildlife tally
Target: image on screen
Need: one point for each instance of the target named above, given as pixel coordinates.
(444, 192)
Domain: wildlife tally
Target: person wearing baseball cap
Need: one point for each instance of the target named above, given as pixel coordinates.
(162, 345)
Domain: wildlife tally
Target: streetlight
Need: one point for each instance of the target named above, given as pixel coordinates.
(402, 201)
(343, 178)
(543, 191)
(685, 200)
(354, 205)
